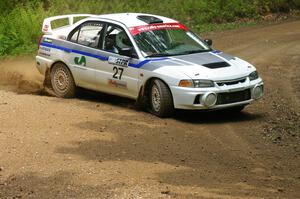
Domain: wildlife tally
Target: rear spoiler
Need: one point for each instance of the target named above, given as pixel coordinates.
(47, 27)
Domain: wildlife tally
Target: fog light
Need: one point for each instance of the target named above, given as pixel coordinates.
(257, 92)
(209, 99)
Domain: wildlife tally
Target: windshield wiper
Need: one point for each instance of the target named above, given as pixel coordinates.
(159, 55)
(183, 53)
(194, 51)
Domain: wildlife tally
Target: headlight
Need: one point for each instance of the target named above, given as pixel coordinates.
(253, 76)
(196, 83)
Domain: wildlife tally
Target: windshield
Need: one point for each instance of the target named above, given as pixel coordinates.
(169, 42)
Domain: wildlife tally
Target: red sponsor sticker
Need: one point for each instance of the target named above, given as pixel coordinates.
(45, 28)
(138, 29)
(117, 83)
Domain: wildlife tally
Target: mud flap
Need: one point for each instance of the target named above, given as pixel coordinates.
(142, 102)
(47, 86)
(47, 80)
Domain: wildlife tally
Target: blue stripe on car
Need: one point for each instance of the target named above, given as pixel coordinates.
(103, 58)
(142, 63)
(216, 52)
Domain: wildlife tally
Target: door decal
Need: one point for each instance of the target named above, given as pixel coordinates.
(118, 61)
(118, 72)
(81, 61)
(117, 83)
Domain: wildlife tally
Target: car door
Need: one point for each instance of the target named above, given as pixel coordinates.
(116, 76)
(85, 54)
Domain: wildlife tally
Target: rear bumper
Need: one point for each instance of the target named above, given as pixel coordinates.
(42, 64)
(230, 96)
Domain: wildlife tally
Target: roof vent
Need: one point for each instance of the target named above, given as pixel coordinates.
(149, 19)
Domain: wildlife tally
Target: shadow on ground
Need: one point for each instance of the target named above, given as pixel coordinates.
(216, 159)
(59, 185)
(189, 116)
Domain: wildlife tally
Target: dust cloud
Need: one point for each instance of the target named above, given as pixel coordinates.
(20, 75)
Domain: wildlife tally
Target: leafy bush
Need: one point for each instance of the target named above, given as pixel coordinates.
(20, 20)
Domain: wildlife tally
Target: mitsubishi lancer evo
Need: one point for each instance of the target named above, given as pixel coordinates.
(154, 60)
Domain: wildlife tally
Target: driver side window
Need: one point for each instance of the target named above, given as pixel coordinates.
(116, 39)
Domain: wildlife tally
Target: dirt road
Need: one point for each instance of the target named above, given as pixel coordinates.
(99, 146)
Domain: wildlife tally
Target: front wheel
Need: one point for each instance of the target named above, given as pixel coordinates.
(161, 101)
(62, 81)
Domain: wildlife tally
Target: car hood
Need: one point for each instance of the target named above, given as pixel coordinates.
(213, 65)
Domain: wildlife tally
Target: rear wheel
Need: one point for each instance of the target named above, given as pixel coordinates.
(161, 101)
(62, 81)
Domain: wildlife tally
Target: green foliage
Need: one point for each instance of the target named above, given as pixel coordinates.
(20, 20)
(20, 29)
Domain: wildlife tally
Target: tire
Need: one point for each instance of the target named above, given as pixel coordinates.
(62, 81)
(161, 101)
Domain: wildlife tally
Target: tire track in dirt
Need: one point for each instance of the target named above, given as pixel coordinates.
(275, 52)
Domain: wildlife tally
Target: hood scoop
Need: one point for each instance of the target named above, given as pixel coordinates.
(216, 65)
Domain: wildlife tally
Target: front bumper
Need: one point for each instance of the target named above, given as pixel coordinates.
(226, 96)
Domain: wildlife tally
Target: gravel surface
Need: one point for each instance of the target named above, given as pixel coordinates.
(99, 146)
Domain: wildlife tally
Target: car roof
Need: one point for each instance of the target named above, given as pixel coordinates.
(131, 19)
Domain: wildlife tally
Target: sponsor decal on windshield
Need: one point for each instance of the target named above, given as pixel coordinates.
(138, 29)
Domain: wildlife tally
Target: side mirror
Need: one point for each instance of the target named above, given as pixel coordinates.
(208, 41)
(125, 51)
(128, 52)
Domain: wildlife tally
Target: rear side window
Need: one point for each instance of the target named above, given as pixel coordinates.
(88, 34)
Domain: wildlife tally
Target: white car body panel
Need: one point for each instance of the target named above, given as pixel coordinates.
(98, 72)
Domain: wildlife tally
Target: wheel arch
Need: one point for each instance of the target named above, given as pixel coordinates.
(145, 88)
(48, 71)
(59, 61)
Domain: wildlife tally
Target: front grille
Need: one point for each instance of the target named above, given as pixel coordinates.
(231, 82)
(228, 98)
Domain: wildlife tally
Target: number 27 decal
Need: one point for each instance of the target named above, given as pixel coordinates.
(118, 72)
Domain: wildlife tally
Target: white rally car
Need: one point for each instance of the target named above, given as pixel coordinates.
(153, 59)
